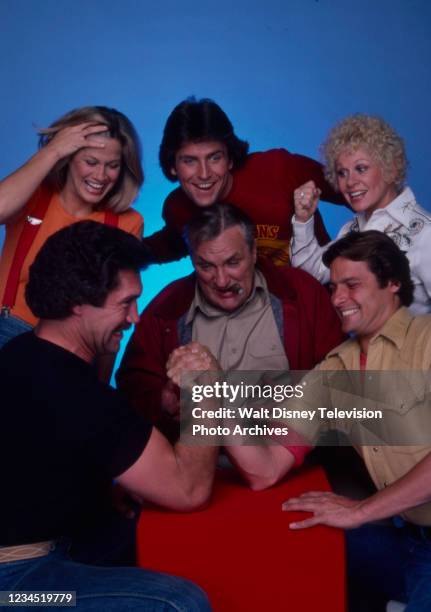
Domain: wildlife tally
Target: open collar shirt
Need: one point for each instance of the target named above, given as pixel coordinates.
(245, 339)
(404, 220)
(402, 345)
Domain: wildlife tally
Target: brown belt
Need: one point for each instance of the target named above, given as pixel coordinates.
(26, 551)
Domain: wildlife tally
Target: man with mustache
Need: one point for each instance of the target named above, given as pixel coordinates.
(250, 316)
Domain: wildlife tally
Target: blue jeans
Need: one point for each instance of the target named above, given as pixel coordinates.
(103, 588)
(385, 562)
(11, 327)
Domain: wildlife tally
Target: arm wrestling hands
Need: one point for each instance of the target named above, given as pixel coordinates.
(182, 361)
(190, 358)
(184, 475)
(261, 466)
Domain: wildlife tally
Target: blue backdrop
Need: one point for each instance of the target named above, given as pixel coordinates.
(284, 71)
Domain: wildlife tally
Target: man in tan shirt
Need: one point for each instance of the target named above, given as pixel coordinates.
(251, 315)
(371, 289)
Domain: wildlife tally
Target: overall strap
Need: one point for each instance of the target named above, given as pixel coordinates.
(111, 218)
(31, 227)
(28, 234)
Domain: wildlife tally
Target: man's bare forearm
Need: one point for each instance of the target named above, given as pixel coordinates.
(196, 468)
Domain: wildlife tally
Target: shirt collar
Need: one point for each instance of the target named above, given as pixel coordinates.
(394, 330)
(400, 209)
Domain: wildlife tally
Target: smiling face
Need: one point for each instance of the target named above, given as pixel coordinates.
(362, 182)
(225, 269)
(93, 173)
(362, 305)
(102, 327)
(203, 170)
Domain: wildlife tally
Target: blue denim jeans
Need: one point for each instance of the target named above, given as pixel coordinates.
(11, 327)
(385, 562)
(103, 588)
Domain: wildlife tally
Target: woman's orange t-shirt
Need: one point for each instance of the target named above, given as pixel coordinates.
(55, 219)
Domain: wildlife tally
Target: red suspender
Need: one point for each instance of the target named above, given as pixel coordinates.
(28, 234)
(111, 218)
(26, 239)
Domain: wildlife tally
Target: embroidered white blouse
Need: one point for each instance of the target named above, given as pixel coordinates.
(404, 220)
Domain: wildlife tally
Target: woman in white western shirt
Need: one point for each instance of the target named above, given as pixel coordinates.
(365, 160)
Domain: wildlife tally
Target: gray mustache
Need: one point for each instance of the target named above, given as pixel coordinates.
(233, 289)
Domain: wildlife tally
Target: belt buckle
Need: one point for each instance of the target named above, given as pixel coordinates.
(5, 312)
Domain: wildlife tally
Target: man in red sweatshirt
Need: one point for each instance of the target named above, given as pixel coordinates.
(200, 149)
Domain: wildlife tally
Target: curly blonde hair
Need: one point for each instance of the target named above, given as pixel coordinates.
(372, 133)
(119, 127)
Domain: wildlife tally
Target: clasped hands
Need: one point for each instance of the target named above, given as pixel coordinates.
(185, 366)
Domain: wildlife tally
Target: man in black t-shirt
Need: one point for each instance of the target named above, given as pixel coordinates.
(66, 435)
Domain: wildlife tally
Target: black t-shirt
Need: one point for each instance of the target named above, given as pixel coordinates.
(64, 436)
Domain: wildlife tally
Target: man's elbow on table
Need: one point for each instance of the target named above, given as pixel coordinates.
(260, 482)
(262, 467)
(179, 478)
(196, 498)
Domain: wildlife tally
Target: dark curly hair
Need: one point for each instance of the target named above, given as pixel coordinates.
(383, 257)
(79, 264)
(198, 121)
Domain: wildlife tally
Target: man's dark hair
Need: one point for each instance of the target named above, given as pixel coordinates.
(79, 265)
(213, 221)
(383, 257)
(198, 121)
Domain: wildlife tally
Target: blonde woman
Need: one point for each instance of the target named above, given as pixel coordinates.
(365, 160)
(88, 167)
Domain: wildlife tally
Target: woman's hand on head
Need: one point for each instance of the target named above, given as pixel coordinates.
(18, 187)
(306, 198)
(71, 139)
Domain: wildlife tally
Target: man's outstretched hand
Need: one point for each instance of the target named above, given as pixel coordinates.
(327, 509)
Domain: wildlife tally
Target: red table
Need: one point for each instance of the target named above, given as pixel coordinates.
(242, 553)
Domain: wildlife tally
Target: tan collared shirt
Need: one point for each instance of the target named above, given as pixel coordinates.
(403, 344)
(246, 339)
